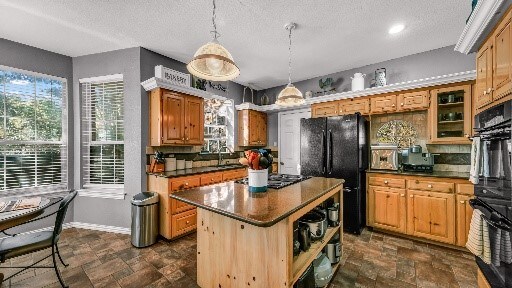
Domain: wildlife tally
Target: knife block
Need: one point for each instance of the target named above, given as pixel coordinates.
(156, 167)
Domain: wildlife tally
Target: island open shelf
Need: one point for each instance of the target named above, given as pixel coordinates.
(246, 239)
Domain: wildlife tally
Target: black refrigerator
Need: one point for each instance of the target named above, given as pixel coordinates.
(336, 147)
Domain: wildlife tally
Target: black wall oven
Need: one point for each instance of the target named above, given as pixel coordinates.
(493, 193)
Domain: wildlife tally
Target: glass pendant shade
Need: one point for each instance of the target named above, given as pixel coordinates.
(213, 62)
(290, 96)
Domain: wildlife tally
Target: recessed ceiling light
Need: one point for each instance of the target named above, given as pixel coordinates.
(396, 28)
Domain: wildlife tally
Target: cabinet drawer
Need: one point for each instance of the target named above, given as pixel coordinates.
(183, 222)
(466, 189)
(185, 183)
(212, 178)
(179, 207)
(351, 106)
(234, 174)
(324, 109)
(435, 186)
(387, 182)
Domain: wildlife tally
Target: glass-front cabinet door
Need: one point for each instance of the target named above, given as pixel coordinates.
(450, 115)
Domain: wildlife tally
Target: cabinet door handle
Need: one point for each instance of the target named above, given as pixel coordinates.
(187, 222)
(183, 139)
(386, 182)
(489, 90)
(187, 139)
(429, 185)
(393, 105)
(212, 179)
(401, 104)
(462, 201)
(411, 196)
(485, 92)
(186, 183)
(402, 195)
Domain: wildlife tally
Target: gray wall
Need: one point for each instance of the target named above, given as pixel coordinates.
(127, 62)
(417, 66)
(33, 59)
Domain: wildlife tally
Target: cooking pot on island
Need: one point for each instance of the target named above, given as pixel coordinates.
(317, 223)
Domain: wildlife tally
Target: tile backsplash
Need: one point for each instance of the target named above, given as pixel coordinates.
(451, 157)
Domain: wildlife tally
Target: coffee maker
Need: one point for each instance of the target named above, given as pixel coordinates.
(414, 160)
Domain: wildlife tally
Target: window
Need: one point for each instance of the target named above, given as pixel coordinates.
(32, 132)
(103, 133)
(218, 126)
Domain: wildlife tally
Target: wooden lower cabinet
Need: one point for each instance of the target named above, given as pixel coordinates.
(177, 218)
(387, 208)
(431, 215)
(426, 207)
(464, 214)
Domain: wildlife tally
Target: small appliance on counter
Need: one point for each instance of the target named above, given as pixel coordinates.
(385, 157)
(414, 160)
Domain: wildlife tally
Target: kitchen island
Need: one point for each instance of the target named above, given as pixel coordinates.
(246, 239)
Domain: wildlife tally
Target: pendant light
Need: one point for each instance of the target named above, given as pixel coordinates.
(212, 61)
(290, 95)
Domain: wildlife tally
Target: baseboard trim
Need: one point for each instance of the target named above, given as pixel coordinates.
(98, 227)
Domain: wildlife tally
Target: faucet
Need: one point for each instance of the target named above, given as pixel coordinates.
(220, 153)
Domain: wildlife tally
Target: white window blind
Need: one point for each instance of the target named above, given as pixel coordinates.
(103, 132)
(33, 151)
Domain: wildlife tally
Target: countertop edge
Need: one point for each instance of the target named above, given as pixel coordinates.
(257, 223)
(459, 175)
(162, 175)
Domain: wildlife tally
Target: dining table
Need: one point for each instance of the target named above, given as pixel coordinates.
(14, 218)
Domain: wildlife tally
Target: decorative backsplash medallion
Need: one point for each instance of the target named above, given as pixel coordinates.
(397, 132)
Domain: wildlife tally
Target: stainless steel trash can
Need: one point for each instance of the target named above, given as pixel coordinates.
(144, 219)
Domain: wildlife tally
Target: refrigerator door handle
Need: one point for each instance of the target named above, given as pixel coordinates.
(329, 151)
(323, 152)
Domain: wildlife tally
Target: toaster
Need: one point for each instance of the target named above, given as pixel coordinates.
(385, 157)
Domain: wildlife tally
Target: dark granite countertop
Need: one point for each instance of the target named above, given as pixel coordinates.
(260, 209)
(436, 174)
(197, 170)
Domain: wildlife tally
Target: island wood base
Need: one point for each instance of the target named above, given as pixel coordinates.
(232, 253)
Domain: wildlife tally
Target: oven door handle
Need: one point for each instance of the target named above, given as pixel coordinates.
(504, 223)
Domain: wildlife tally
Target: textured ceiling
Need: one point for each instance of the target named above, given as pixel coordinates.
(331, 36)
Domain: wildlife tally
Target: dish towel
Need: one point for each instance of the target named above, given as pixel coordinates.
(475, 160)
(506, 247)
(485, 159)
(478, 238)
(495, 237)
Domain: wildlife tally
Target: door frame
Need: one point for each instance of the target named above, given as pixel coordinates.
(279, 115)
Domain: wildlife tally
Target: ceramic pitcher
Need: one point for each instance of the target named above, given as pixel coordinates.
(358, 81)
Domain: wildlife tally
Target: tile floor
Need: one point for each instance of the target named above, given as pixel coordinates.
(99, 259)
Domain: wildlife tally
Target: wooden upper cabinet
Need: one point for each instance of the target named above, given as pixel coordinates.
(252, 128)
(450, 114)
(484, 75)
(431, 215)
(419, 100)
(351, 106)
(502, 60)
(194, 120)
(175, 118)
(326, 109)
(383, 104)
(387, 208)
(173, 114)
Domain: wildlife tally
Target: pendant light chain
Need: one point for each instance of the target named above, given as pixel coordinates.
(290, 58)
(214, 15)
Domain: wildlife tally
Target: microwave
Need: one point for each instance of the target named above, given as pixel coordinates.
(385, 157)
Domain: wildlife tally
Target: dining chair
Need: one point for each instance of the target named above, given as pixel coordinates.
(26, 243)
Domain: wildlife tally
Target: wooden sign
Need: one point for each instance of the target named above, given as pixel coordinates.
(173, 76)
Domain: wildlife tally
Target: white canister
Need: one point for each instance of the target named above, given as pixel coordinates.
(180, 164)
(358, 81)
(170, 164)
(189, 164)
(258, 180)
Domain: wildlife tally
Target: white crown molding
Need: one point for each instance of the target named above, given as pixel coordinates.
(482, 20)
(408, 85)
(154, 82)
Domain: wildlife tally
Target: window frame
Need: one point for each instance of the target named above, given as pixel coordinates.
(47, 189)
(106, 191)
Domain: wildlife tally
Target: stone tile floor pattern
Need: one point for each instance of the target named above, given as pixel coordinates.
(100, 259)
